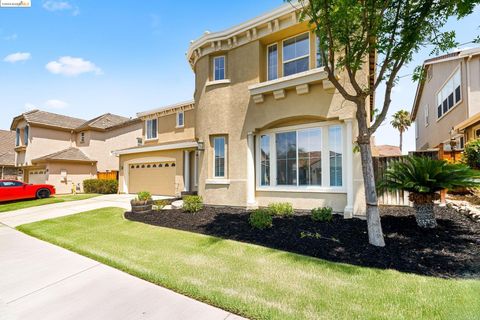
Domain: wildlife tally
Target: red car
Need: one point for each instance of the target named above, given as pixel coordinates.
(17, 190)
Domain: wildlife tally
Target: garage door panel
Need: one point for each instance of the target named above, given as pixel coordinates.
(37, 176)
(157, 178)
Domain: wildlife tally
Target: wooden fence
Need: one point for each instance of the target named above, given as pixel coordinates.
(396, 198)
(111, 175)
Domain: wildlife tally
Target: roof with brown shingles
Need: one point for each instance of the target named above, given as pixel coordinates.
(70, 154)
(105, 121)
(388, 150)
(7, 145)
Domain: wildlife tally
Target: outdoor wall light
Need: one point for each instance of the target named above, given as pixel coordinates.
(201, 146)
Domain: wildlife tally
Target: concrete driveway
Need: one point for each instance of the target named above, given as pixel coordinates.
(41, 281)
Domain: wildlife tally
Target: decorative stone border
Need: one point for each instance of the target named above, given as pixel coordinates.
(465, 208)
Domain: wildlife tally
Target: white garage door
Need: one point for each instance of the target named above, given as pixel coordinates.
(157, 178)
(37, 176)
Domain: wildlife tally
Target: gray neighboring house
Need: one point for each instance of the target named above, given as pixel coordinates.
(7, 155)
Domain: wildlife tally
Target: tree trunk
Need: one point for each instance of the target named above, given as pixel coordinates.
(375, 233)
(424, 215)
(401, 141)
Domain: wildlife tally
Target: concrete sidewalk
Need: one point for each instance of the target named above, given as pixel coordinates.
(41, 281)
(49, 211)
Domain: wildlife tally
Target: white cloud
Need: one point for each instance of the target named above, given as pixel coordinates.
(16, 57)
(55, 104)
(70, 66)
(52, 5)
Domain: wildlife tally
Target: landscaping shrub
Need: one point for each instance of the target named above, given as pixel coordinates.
(322, 214)
(144, 196)
(471, 154)
(192, 204)
(260, 219)
(100, 186)
(159, 204)
(284, 209)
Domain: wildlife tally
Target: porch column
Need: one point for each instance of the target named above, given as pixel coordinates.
(251, 202)
(186, 170)
(348, 211)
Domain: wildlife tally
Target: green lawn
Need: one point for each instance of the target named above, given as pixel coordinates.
(40, 202)
(254, 281)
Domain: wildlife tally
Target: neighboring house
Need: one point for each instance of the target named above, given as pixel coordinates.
(165, 163)
(386, 151)
(448, 97)
(63, 151)
(7, 155)
(267, 125)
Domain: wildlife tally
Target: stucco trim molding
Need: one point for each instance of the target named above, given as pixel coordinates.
(172, 146)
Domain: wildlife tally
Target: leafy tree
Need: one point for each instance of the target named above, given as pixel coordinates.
(384, 35)
(401, 121)
(471, 154)
(423, 177)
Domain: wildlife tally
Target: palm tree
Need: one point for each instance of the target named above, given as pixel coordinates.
(423, 178)
(401, 121)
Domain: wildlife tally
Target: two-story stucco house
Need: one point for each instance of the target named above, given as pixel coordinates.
(63, 151)
(265, 126)
(447, 101)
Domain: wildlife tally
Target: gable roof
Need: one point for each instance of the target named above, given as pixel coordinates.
(461, 54)
(70, 154)
(7, 145)
(43, 118)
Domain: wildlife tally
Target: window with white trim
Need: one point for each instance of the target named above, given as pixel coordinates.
(151, 129)
(301, 157)
(319, 60)
(219, 157)
(272, 62)
(219, 68)
(425, 112)
(296, 54)
(450, 94)
(180, 119)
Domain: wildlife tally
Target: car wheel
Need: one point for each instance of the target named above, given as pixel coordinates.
(43, 193)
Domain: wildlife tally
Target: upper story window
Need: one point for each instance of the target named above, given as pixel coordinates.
(151, 129)
(272, 62)
(426, 114)
(17, 137)
(296, 54)
(25, 135)
(180, 119)
(219, 156)
(82, 137)
(319, 60)
(219, 68)
(450, 94)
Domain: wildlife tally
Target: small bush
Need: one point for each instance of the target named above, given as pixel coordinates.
(144, 196)
(159, 204)
(260, 219)
(322, 214)
(471, 154)
(283, 209)
(100, 186)
(192, 204)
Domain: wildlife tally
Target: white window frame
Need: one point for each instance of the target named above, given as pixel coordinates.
(426, 114)
(17, 137)
(276, 67)
(450, 77)
(297, 58)
(146, 130)
(224, 67)
(225, 174)
(178, 119)
(325, 187)
(26, 135)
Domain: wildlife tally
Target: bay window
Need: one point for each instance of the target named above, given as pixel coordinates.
(151, 129)
(296, 54)
(303, 157)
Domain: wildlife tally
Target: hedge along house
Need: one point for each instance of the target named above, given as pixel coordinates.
(269, 125)
(165, 163)
(63, 151)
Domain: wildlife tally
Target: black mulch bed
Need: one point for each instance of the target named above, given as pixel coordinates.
(451, 250)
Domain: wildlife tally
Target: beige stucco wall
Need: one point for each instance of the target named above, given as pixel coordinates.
(227, 109)
(155, 156)
(167, 129)
(438, 130)
(99, 145)
(76, 173)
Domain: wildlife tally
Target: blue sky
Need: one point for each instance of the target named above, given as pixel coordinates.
(85, 58)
